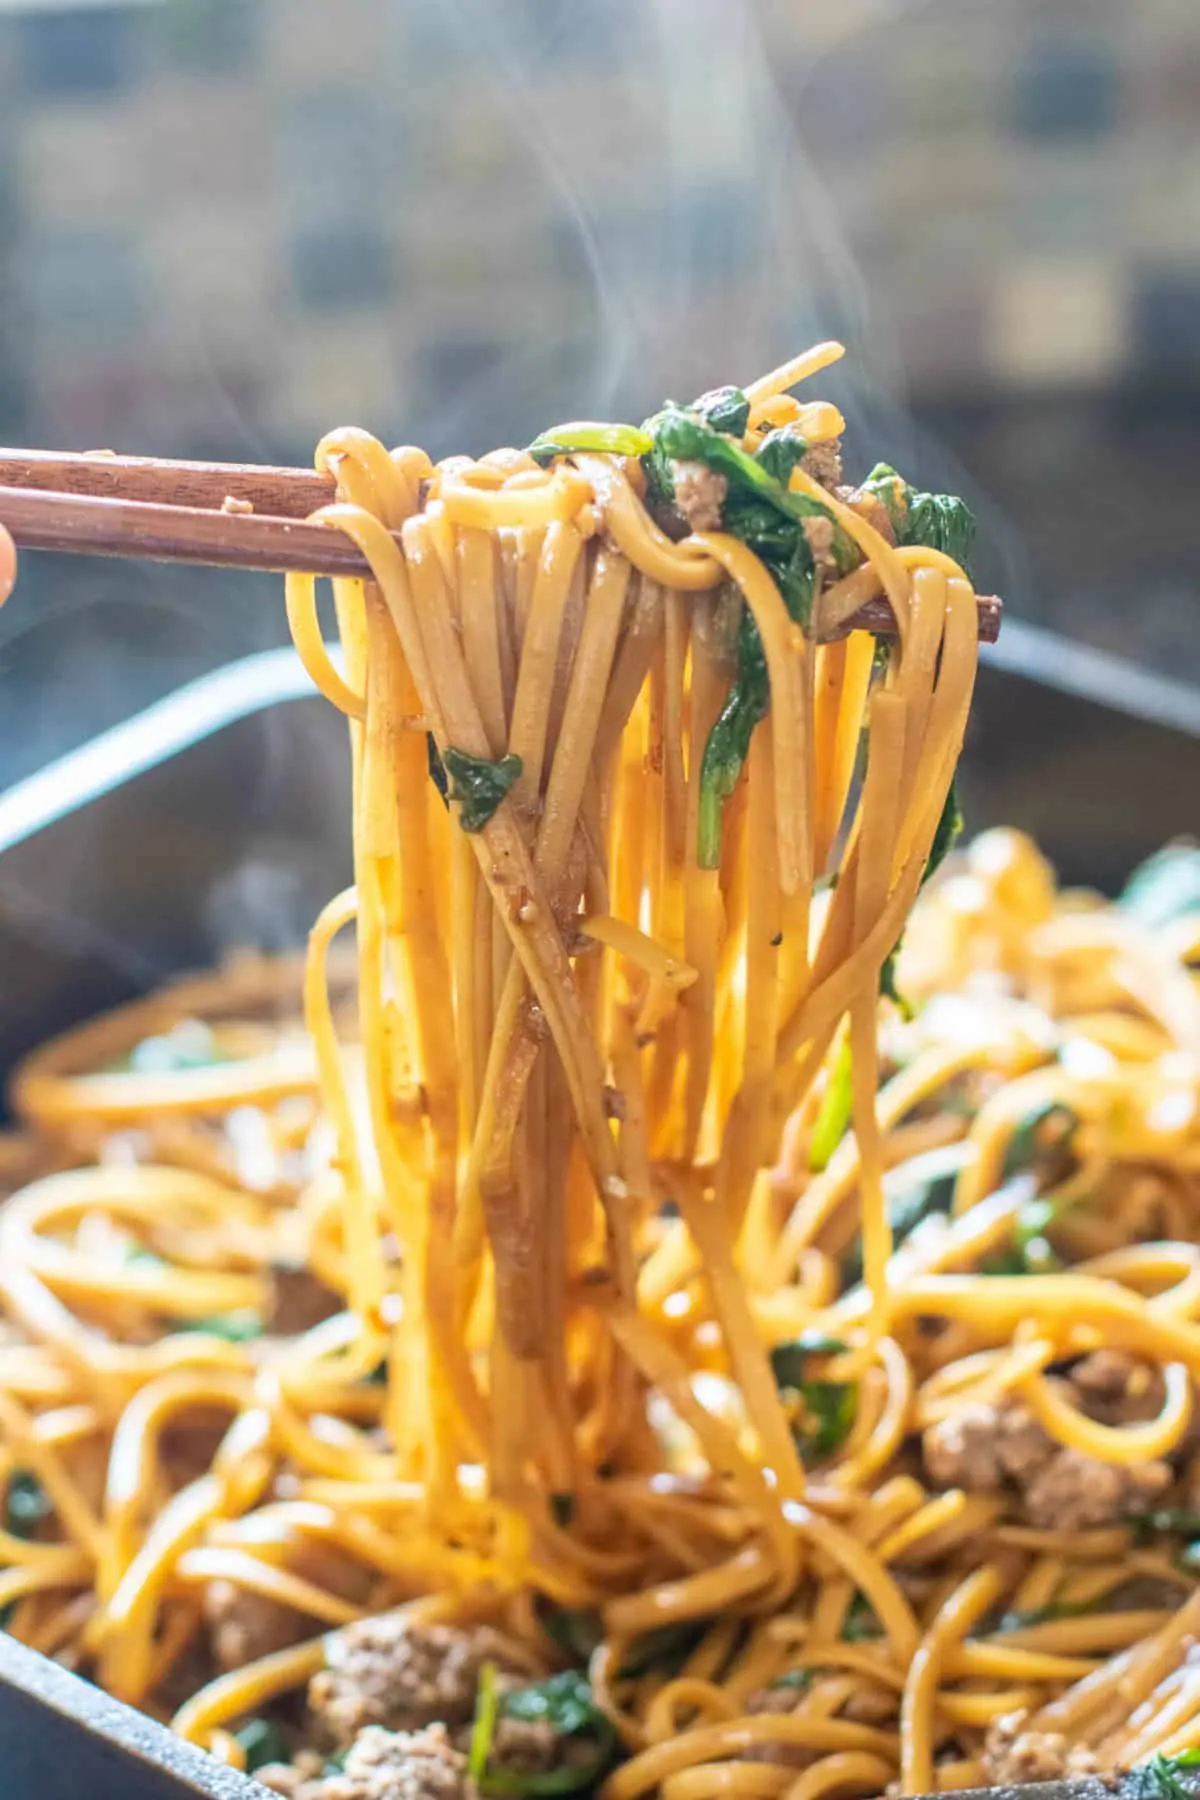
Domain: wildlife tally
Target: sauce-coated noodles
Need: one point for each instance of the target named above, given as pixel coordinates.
(669, 1303)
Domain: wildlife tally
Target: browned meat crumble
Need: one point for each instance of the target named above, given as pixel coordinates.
(824, 463)
(379, 1765)
(389, 1671)
(699, 495)
(984, 1448)
(1013, 1755)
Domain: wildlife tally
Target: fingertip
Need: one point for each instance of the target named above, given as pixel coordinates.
(8, 565)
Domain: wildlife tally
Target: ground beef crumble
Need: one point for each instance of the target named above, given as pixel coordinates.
(379, 1765)
(979, 1447)
(401, 1765)
(299, 1780)
(388, 1671)
(1073, 1492)
(699, 494)
(871, 1704)
(242, 1626)
(824, 463)
(783, 1700)
(819, 536)
(299, 1301)
(983, 1448)
(871, 508)
(1116, 1389)
(1012, 1755)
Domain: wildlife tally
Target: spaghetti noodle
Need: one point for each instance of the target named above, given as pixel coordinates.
(812, 1366)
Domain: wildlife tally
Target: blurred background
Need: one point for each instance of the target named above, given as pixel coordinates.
(228, 225)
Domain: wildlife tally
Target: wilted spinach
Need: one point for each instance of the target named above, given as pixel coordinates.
(667, 1647)
(1158, 1777)
(861, 1621)
(833, 1115)
(949, 829)
(576, 1630)
(725, 409)
(263, 1743)
(824, 1411)
(939, 521)
(1166, 887)
(26, 1504)
(190, 1044)
(239, 1327)
(590, 436)
(564, 1702)
(477, 785)
(1042, 1142)
(914, 1190)
(761, 510)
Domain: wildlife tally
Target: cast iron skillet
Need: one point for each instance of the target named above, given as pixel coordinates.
(60, 1737)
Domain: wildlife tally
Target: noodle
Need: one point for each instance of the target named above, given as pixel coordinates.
(797, 1335)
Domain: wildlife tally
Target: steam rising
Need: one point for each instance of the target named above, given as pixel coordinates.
(695, 241)
(695, 215)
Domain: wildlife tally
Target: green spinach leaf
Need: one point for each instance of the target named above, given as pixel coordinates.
(1158, 1777)
(861, 1621)
(914, 1191)
(725, 409)
(263, 1743)
(1166, 887)
(942, 522)
(780, 451)
(478, 785)
(26, 1504)
(947, 834)
(728, 742)
(564, 1702)
(239, 1327)
(1042, 1142)
(795, 1678)
(833, 1115)
(190, 1044)
(590, 435)
(823, 1411)
(667, 1647)
(576, 1630)
(760, 509)
(939, 521)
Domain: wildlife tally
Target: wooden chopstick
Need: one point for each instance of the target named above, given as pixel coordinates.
(83, 526)
(163, 511)
(283, 493)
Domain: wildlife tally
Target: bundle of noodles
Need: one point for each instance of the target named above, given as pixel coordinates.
(818, 1385)
(594, 972)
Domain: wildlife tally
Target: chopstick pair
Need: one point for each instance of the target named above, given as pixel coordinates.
(221, 515)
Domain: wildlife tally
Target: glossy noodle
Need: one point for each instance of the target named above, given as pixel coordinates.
(669, 1343)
